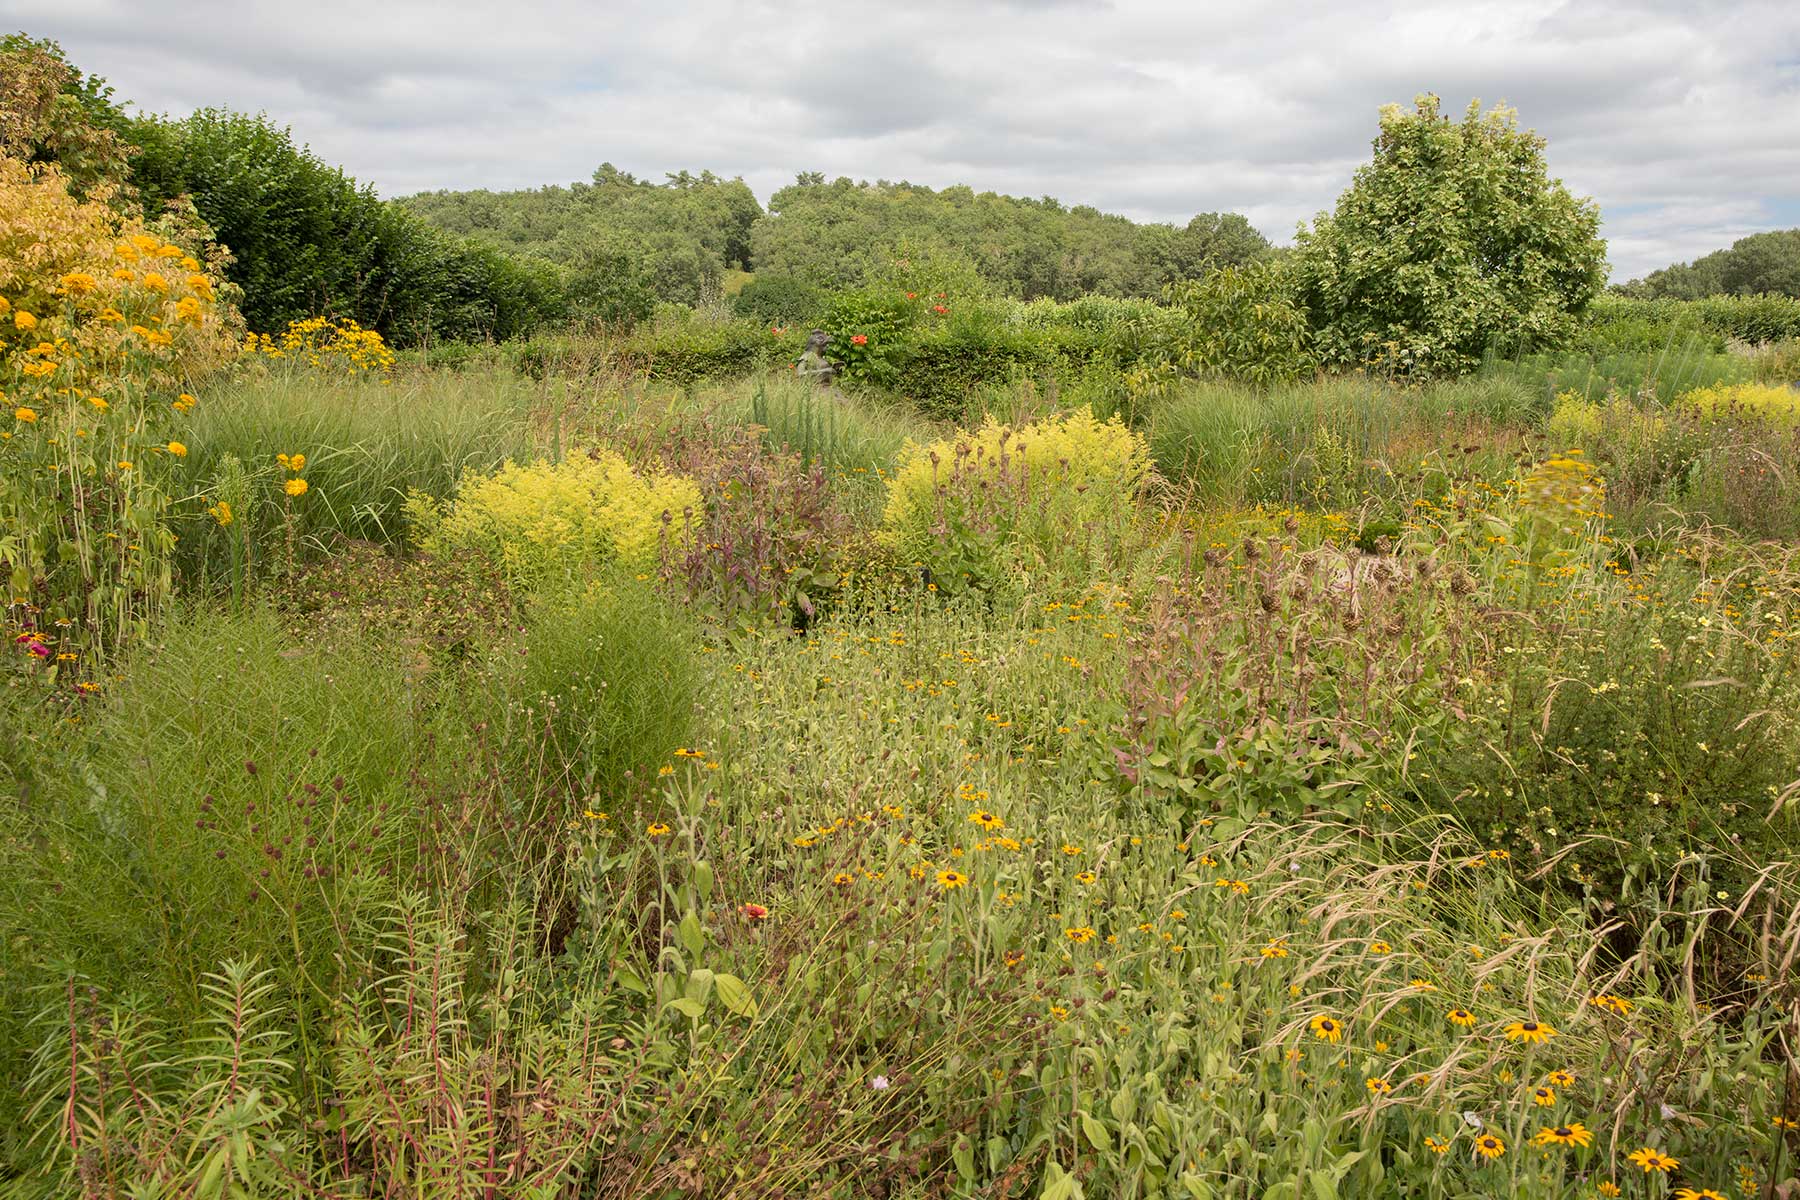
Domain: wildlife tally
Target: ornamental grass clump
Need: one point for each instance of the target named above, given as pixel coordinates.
(551, 522)
(969, 508)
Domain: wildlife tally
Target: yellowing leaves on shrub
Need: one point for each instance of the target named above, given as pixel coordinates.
(547, 520)
(967, 505)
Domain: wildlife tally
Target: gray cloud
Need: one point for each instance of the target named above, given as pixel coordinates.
(1683, 121)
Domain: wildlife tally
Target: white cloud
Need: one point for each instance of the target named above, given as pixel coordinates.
(1683, 121)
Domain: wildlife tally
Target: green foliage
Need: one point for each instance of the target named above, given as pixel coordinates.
(1242, 323)
(778, 300)
(1452, 240)
(1763, 263)
(971, 507)
(242, 794)
(307, 239)
(845, 234)
(610, 285)
(600, 685)
(871, 330)
(369, 443)
(676, 238)
(550, 524)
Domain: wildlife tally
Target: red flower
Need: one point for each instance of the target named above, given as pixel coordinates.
(939, 309)
(777, 330)
(912, 295)
(859, 339)
(755, 912)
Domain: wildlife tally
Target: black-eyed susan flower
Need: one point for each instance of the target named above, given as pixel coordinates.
(1543, 1097)
(1380, 947)
(1086, 877)
(1378, 1086)
(1612, 1004)
(1607, 1187)
(1437, 1145)
(1688, 1193)
(656, 829)
(1080, 934)
(1070, 850)
(1489, 1146)
(1532, 1033)
(1460, 1016)
(1572, 1134)
(950, 880)
(843, 879)
(1563, 1078)
(1327, 1028)
(1275, 949)
(1653, 1161)
(987, 820)
(1422, 985)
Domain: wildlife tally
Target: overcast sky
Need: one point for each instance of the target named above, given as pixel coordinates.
(1681, 117)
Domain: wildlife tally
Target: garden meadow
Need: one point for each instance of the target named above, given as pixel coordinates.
(1224, 743)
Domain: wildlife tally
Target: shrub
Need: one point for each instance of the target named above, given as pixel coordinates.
(968, 506)
(1242, 323)
(551, 522)
(1453, 239)
(1779, 405)
(599, 687)
(778, 300)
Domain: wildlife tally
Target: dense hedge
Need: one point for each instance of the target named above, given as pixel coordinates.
(1620, 323)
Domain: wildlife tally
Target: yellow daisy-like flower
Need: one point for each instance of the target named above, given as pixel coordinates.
(1423, 985)
(1543, 1097)
(1607, 1187)
(843, 879)
(1460, 1016)
(656, 829)
(1688, 1193)
(1612, 1004)
(1081, 934)
(1378, 1087)
(987, 820)
(1327, 1028)
(25, 415)
(949, 880)
(1275, 949)
(1572, 1134)
(1380, 947)
(1086, 877)
(1071, 851)
(1437, 1145)
(1489, 1147)
(1560, 1079)
(177, 449)
(295, 487)
(1653, 1161)
(1237, 886)
(1532, 1033)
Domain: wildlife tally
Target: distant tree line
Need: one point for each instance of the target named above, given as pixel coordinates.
(1761, 264)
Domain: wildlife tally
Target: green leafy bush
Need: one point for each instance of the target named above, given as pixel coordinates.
(1452, 240)
(554, 522)
(778, 300)
(969, 506)
(599, 687)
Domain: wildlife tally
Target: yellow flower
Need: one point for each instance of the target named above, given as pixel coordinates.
(1532, 1033)
(295, 487)
(1460, 1016)
(1613, 1004)
(656, 829)
(1688, 1193)
(1379, 947)
(1275, 949)
(221, 512)
(1653, 1160)
(1085, 877)
(1378, 1087)
(1543, 1097)
(1071, 851)
(78, 282)
(1607, 1187)
(24, 320)
(987, 820)
(1489, 1147)
(843, 879)
(1327, 1028)
(1560, 1079)
(1572, 1134)
(1080, 935)
(28, 416)
(949, 879)
(177, 449)
(1423, 985)
(1437, 1145)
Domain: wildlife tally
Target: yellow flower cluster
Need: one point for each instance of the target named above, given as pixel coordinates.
(551, 520)
(326, 344)
(1780, 404)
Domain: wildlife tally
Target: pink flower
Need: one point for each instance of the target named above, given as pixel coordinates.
(39, 649)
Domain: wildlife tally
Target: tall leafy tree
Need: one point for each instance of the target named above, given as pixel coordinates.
(1452, 240)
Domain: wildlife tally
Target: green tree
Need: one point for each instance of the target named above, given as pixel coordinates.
(1453, 239)
(1763, 263)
